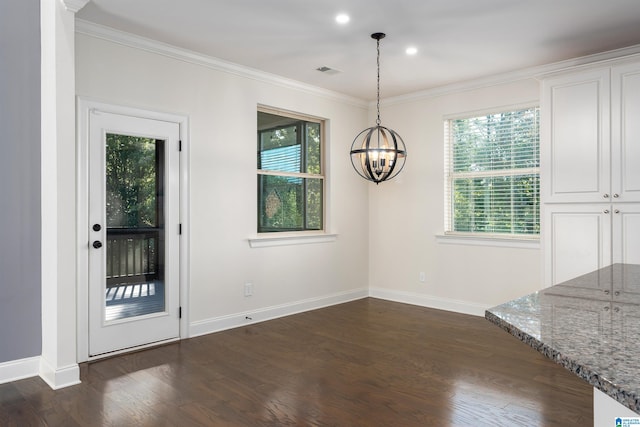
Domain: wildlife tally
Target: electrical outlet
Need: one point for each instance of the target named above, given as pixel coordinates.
(422, 277)
(248, 289)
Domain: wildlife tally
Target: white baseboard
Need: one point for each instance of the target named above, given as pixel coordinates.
(61, 377)
(235, 320)
(15, 370)
(465, 307)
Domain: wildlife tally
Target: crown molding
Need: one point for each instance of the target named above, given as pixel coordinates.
(74, 5)
(538, 72)
(154, 46)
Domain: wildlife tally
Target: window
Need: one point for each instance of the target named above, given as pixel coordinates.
(290, 173)
(493, 174)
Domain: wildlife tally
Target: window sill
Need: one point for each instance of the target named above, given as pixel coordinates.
(503, 242)
(286, 239)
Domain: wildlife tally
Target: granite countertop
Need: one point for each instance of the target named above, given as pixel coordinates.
(590, 325)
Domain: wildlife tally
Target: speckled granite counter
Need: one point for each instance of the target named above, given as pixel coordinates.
(590, 325)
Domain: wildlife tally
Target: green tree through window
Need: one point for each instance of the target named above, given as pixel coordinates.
(493, 176)
(131, 181)
(290, 179)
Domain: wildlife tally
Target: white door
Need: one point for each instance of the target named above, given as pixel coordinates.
(133, 231)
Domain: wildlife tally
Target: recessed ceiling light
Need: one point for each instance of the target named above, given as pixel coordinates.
(342, 18)
(411, 50)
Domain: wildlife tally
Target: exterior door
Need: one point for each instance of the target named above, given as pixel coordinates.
(134, 231)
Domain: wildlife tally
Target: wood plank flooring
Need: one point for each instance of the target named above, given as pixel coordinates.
(365, 363)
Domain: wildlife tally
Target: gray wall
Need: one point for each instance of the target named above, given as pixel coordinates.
(20, 272)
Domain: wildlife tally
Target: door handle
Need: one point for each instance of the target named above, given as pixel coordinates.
(96, 227)
(97, 244)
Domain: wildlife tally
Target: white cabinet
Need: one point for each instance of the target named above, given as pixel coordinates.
(590, 135)
(590, 169)
(575, 140)
(625, 132)
(583, 237)
(626, 233)
(577, 240)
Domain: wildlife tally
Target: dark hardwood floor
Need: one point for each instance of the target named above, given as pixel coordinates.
(364, 363)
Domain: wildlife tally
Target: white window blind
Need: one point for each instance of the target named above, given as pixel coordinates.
(493, 174)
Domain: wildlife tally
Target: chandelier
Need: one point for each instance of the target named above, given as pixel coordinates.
(378, 153)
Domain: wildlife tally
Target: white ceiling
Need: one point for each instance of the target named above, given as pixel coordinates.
(457, 40)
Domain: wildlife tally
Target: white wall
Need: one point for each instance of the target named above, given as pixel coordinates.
(221, 108)
(406, 214)
(386, 233)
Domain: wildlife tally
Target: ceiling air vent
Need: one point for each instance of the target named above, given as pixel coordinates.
(327, 70)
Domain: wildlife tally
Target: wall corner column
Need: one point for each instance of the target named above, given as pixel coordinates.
(58, 364)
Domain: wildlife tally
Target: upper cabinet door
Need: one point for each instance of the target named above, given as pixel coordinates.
(575, 146)
(625, 132)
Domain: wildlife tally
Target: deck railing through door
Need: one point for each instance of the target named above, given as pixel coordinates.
(132, 255)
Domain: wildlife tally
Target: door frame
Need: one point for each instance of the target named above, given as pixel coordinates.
(84, 106)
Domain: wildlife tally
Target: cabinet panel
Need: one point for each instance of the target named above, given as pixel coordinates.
(626, 229)
(577, 240)
(625, 131)
(576, 144)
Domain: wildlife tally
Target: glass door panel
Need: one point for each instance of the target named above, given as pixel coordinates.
(134, 282)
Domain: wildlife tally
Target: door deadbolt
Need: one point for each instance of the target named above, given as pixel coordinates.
(97, 227)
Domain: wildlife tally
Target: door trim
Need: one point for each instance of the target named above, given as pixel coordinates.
(83, 107)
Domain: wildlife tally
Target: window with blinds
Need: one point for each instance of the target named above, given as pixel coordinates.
(290, 173)
(493, 174)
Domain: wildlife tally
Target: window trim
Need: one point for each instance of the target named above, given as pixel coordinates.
(286, 238)
(455, 238)
(290, 235)
(483, 239)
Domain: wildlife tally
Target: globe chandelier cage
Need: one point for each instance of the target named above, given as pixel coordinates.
(378, 153)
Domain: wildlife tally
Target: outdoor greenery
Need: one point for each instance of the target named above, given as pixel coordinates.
(131, 181)
(291, 198)
(495, 173)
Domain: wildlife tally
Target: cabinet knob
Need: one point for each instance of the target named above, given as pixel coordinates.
(606, 308)
(616, 211)
(606, 291)
(616, 293)
(605, 195)
(606, 211)
(617, 309)
(615, 195)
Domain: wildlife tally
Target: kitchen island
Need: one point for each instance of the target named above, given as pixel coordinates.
(591, 326)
